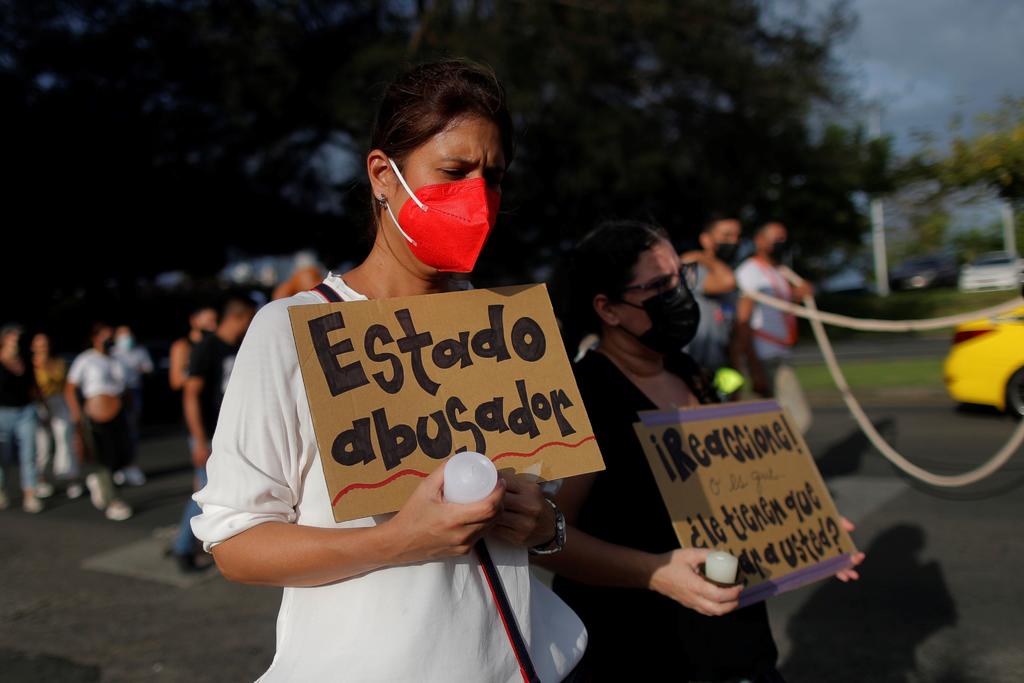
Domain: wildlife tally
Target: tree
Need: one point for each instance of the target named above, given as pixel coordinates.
(992, 159)
(180, 128)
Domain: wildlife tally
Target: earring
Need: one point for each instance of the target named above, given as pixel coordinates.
(381, 201)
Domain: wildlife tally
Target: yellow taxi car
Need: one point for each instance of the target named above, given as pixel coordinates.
(986, 363)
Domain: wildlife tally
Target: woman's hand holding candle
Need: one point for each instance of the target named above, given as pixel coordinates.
(428, 527)
(528, 519)
(677, 576)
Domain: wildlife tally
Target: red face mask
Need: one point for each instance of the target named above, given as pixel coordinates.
(447, 224)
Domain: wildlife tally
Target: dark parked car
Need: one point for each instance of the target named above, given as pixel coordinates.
(920, 272)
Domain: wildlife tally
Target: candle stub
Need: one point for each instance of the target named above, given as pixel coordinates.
(469, 477)
(721, 567)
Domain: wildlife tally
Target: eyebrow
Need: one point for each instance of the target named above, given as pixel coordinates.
(473, 162)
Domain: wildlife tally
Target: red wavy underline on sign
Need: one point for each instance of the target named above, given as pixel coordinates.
(542, 447)
(510, 454)
(387, 481)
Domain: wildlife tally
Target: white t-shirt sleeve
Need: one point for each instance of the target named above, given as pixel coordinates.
(748, 276)
(77, 370)
(254, 473)
(700, 279)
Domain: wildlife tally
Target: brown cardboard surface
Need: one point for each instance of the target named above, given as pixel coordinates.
(395, 386)
(737, 477)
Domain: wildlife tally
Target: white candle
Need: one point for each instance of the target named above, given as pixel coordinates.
(469, 477)
(720, 567)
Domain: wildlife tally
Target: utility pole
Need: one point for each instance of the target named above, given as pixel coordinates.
(1009, 231)
(878, 218)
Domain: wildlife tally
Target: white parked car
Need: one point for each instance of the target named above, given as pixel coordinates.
(993, 270)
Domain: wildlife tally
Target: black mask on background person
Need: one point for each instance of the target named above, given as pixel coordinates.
(778, 251)
(726, 251)
(674, 318)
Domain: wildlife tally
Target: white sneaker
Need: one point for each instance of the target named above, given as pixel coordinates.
(44, 489)
(118, 510)
(74, 490)
(32, 505)
(92, 482)
(133, 476)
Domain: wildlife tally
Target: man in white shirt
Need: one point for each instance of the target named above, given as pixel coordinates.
(765, 335)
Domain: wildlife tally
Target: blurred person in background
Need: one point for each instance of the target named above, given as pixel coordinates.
(99, 418)
(304, 278)
(714, 289)
(18, 416)
(55, 451)
(764, 335)
(210, 364)
(201, 322)
(137, 362)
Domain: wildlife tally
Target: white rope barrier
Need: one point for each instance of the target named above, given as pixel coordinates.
(817, 318)
(875, 325)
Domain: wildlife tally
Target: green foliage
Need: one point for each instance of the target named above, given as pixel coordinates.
(992, 159)
(969, 244)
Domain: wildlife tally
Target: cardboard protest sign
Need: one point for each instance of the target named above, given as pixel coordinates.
(396, 386)
(737, 477)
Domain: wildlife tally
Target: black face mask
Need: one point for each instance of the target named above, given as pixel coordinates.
(674, 318)
(108, 346)
(778, 251)
(726, 251)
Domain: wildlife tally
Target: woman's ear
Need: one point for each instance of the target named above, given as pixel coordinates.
(382, 178)
(603, 307)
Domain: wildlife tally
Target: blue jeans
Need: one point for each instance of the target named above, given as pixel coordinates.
(186, 543)
(19, 424)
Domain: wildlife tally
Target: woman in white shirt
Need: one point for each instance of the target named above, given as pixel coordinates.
(393, 597)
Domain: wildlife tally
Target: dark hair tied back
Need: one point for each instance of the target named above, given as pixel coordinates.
(603, 262)
(424, 100)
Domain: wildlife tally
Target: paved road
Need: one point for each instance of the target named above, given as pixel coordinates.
(939, 602)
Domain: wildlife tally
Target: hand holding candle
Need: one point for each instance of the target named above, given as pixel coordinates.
(468, 477)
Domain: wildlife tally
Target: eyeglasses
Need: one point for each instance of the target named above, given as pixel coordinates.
(687, 273)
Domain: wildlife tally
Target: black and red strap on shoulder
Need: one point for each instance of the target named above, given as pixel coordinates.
(508, 617)
(327, 292)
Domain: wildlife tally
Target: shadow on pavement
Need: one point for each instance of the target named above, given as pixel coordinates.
(19, 666)
(845, 456)
(870, 630)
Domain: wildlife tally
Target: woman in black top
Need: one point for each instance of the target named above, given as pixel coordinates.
(646, 609)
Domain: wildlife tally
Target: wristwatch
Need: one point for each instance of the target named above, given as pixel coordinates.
(556, 544)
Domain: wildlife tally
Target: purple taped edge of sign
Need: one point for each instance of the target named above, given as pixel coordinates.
(665, 417)
(823, 569)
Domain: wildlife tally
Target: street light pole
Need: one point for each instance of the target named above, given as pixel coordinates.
(1009, 232)
(878, 219)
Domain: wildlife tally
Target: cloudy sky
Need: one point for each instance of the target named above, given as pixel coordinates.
(925, 61)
